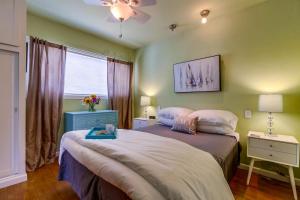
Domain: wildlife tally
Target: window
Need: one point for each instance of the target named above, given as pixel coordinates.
(85, 74)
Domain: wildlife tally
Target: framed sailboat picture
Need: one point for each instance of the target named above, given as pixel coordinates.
(201, 75)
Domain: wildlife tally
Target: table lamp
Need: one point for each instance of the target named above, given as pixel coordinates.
(145, 102)
(270, 103)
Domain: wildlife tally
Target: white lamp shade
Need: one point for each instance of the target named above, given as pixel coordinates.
(270, 103)
(145, 101)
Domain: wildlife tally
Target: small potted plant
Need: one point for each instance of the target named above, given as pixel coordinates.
(91, 101)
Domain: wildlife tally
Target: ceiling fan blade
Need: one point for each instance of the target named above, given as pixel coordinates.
(140, 16)
(98, 2)
(143, 3)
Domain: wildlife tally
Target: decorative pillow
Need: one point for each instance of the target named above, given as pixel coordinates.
(221, 118)
(185, 124)
(166, 116)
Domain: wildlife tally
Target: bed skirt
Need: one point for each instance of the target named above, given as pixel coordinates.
(87, 185)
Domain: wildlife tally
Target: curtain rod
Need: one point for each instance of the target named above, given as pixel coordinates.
(85, 52)
(93, 54)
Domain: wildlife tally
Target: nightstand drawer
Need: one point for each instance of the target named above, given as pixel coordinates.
(273, 145)
(140, 123)
(275, 156)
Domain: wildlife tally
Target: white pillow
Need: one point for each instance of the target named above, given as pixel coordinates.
(215, 118)
(173, 112)
(168, 115)
(215, 129)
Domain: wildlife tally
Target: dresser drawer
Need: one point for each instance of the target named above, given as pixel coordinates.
(274, 156)
(94, 120)
(273, 145)
(87, 120)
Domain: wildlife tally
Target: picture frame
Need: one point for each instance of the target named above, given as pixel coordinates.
(199, 75)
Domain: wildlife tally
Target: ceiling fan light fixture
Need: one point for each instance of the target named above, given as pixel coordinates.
(121, 11)
(204, 14)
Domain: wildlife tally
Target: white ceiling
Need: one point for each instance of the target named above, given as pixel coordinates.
(92, 19)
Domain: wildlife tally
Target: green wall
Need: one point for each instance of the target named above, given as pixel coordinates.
(260, 50)
(61, 34)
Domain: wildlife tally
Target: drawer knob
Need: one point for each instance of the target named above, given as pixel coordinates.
(270, 155)
(271, 145)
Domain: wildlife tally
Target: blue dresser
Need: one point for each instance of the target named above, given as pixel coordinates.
(87, 120)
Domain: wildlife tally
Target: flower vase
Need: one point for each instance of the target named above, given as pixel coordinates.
(92, 108)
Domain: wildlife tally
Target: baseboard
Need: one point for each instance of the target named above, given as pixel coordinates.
(12, 180)
(269, 174)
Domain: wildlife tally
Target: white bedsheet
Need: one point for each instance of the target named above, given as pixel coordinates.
(147, 166)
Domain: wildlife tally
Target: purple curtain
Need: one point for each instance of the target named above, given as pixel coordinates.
(119, 83)
(44, 101)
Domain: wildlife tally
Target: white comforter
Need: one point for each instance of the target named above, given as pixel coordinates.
(147, 166)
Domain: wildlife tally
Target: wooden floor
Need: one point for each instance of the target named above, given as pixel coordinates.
(260, 188)
(43, 185)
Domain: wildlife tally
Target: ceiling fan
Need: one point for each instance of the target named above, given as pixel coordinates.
(122, 10)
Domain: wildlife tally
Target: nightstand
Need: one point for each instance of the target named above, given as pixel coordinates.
(143, 122)
(281, 149)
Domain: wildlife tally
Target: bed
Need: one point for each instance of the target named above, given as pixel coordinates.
(88, 185)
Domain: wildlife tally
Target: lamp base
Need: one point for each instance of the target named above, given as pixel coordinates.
(270, 124)
(146, 112)
(270, 133)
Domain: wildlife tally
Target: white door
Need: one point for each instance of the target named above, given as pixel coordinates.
(8, 111)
